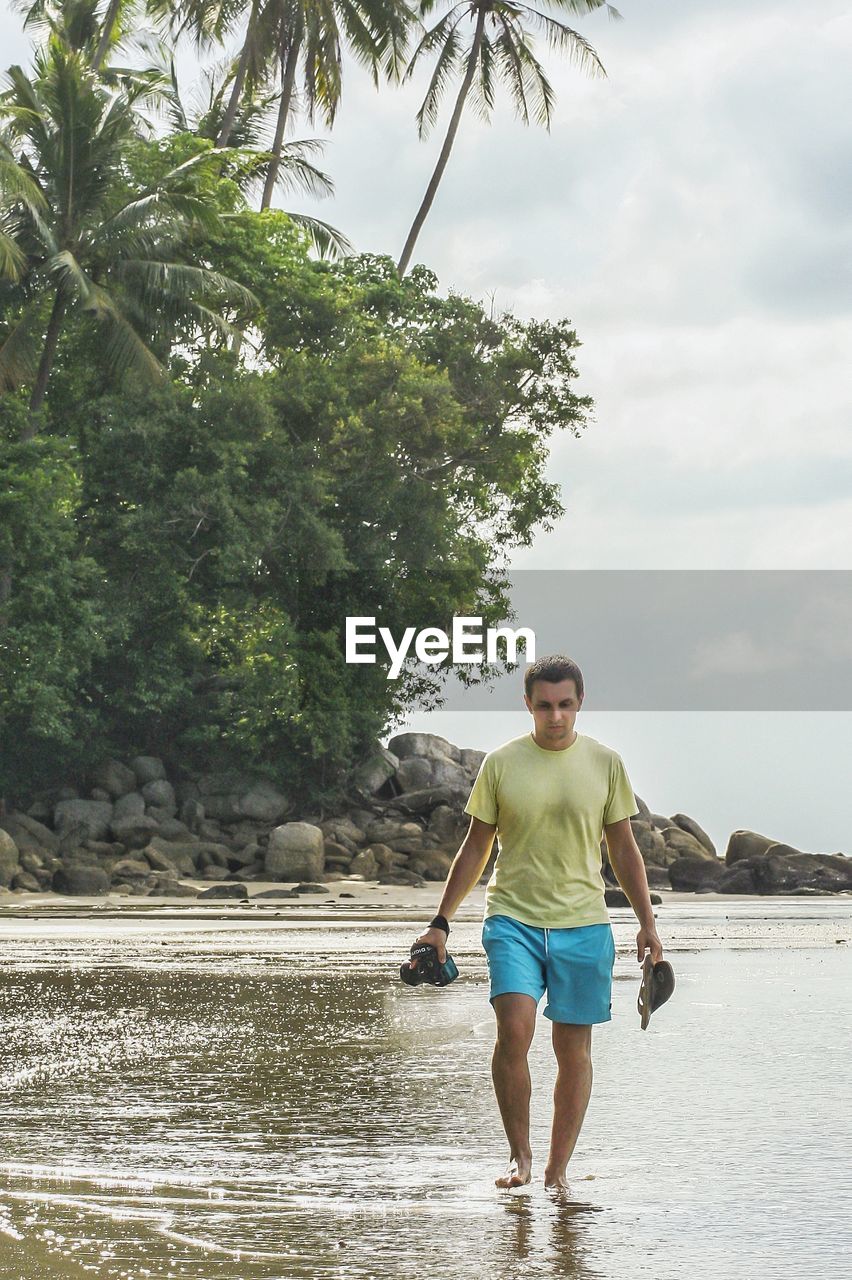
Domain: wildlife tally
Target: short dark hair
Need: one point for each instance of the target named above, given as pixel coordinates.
(554, 668)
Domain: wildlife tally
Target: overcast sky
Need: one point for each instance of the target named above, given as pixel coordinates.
(692, 215)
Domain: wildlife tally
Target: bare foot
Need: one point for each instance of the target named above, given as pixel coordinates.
(518, 1173)
(555, 1182)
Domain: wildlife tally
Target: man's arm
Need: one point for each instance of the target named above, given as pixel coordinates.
(626, 861)
(468, 866)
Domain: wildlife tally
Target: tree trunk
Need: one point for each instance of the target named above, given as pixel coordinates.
(106, 33)
(288, 79)
(48, 355)
(422, 212)
(239, 81)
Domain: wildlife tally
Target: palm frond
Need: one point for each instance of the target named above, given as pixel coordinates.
(326, 240)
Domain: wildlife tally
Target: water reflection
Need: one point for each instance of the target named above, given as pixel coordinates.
(271, 1103)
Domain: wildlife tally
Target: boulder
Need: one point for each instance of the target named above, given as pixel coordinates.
(147, 769)
(402, 877)
(658, 877)
(160, 861)
(337, 854)
(471, 760)
(130, 805)
(692, 828)
(746, 844)
(213, 872)
(235, 891)
(311, 886)
(432, 865)
(99, 793)
(737, 879)
(179, 856)
(295, 852)
(173, 829)
(80, 879)
(685, 845)
(371, 775)
(651, 844)
(431, 746)
(364, 864)
(391, 830)
(192, 814)
(23, 882)
(386, 858)
(690, 875)
(134, 833)
(264, 802)
(10, 863)
(414, 773)
(343, 831)
(88, 819)
(114, 778)
(160, 794)
(174, 889)
(275, 893)
(130, 869)
(428, 798)
(29, 835)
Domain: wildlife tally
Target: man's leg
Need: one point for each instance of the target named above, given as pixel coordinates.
(510, 1073)
(573, 1047)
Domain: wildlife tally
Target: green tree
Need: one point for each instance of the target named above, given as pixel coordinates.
(103, 249)
(500, 49)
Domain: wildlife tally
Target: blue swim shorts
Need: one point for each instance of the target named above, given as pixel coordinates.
(574, 966)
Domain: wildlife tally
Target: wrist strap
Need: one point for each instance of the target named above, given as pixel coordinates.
(440, 922)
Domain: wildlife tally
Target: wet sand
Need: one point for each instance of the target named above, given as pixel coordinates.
(228, 1091)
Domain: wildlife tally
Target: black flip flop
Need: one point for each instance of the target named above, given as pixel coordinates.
(658, 982)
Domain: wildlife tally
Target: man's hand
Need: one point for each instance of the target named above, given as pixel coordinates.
(434, 938)
(647, 939)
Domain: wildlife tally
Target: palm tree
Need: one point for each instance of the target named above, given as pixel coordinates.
(375, 31)
(501, 48)
(93, 243)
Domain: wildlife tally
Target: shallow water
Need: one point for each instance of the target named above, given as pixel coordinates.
(258, 1095)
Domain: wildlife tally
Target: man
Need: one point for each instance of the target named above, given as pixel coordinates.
(548, 796)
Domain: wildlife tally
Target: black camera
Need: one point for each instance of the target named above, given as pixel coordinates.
(429, 968)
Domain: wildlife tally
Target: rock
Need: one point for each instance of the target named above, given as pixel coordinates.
(130, 869)
(746, 844)
(236, 891)
(147, 769)
(386, 858)
(659, 820)
(160, 861)
(213, 855)
(31, 862)
(343, 831)
(192, 814)
(135, 832)
(100, 793)
(276, 893)
(337, 854)
(470, 760)
(25, 883)
(105, 848)
(310, 886)
(130, 805)
(180, 856)
(115, 778)
(431, 746)
(691, 827)
(737, 879)
(173, 829)
(81, 879)
(90, 819)
(396, 833)
(414, 773)
(658, 877)
(295, 852)
(371, 775)
(685, 845)
(401, 876)
(432, 865)
(214, 872)
(9, 859)
(616, 898)
(246, 857)
(428, 798)
(174, 889)
(689, 875)
(364, 864)
(264, 803)
(29, 834)
(448, 824)
(160, 794)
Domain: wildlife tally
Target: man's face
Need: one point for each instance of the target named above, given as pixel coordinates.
(554, 709)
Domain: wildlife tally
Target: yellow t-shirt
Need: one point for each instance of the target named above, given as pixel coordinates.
(550, 808)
